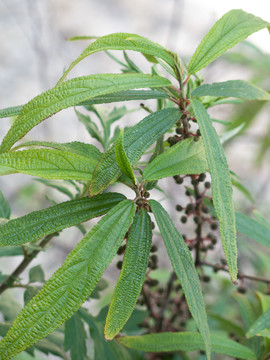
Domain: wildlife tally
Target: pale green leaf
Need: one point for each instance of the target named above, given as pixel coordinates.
(36, 274)
(221, 186)
(243, 189)
(38, 224)
(75, 337)
(184, 268)
(121, 157)
(232, 88)
(70, 285)
(186, 341)
(132, 275)
(186, 157)
(48, 164)
(71, 93)
(4, 207)
(263, 322)
(10, 111)
(234, 27)
(136, 141)
(11, 251)
(261, 219)
(123, 41)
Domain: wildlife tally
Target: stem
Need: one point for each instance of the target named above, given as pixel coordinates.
(9, 281)
(240, 275)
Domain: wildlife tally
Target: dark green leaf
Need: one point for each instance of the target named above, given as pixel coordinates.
(234, 27)
(38, 224)
(132, 275)
(71, 93)
(11, 251)
(186, 341)
(232, 88)
(75, 338)
(136, 141)
(70, 285)
(184, 268)
(186, 157)
(221, 186)
(122, 159)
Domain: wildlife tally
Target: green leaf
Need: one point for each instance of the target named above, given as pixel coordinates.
(234, 27)
(47, 347)
(71, 93)
(90, 126)
(121, 157)
(221, 186)
(38, 224)
(263, 322)
(63, 187)
(36, 274)
(48, 164)
(29, 293)
(186, 157)
(75, 338)
(232, 88)
(122, 41)
(261, 219)
(132, 275)
(10, 111)
(11, 251)
(4, 207)
(253, 229)
(136, 141)
(184, 268)
(72, 284)
(185, 341)
(243, 189)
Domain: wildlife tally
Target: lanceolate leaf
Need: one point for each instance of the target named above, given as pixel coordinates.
(186, 341)
(221, 186)
(121, 157)
(123, 41)
(184, 268)
(186, 157)
(131, 278)
(136, 141)
(48, 164)
(38, 224)
(75, 338)
(70, 285)
(234, 27)
(232, 88)
(253, 229)
(10, 111)
(71, 93)
(260, 324)
(4, 207)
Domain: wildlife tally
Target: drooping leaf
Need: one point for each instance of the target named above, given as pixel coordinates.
(234, 27)
(121, 157)
(253, 229)
(71, 93)
(232, 88)
(221, 186)
(36, 274)
(185, 341)
(136, 141)
(122, 41)
(132, 275)
(38, 224)
(263, 322)
(4, 207)
(75, 337)
(184, 268)
(186, 157)
(70, 285)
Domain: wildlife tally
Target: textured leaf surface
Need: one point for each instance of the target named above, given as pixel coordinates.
(121, 157)
(186, 341)
(234, 27)
(132, 275)
(136, 141)
(38, 224)
(260, 324)
(221, 186)
(232, 88)
(49, 164)
(123, 41)
(4, 207)
(75, 338)
(71, 93)
(184, 268)
(10, 111)
(253, 229)
(70, 285)
(186, 157)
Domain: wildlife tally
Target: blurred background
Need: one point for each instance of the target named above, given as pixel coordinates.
(35, 52)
